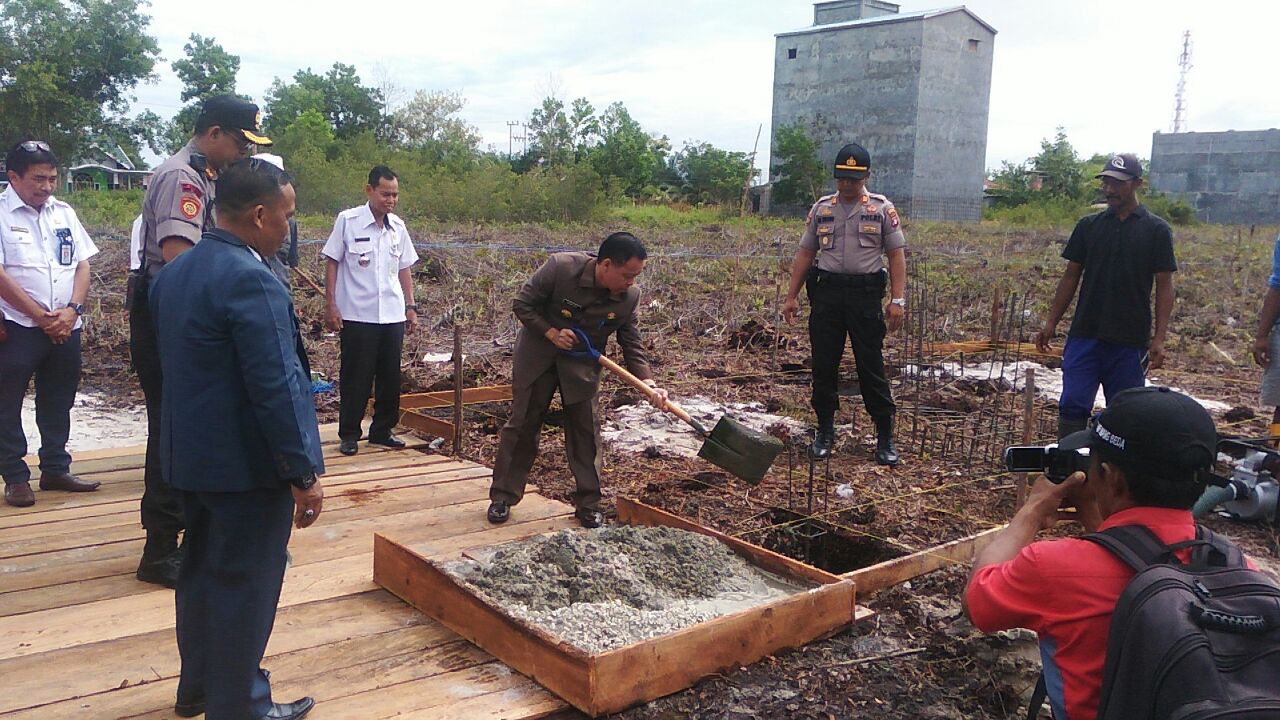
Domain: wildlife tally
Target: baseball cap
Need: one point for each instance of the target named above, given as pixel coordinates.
(1125, 166)
(1154, 427)
(231, 113)
(853, 161)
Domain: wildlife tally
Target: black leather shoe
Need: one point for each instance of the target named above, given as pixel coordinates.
(589, 518)
(390, 441)
(290, 711)
(886, 452)
(824, 439)
(19, 494)
(498, 512)
(66, 481)
(162, 571)
(348, 447)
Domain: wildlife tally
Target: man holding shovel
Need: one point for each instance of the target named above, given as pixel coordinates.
(595, 294)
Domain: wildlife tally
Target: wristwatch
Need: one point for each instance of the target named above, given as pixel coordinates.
(303, 483)
(413, 307)
(900, 302)
(77, 307)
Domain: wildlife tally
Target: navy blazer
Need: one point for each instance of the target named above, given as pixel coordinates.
(237, 411)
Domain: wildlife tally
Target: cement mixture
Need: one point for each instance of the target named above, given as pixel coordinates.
(610, 587)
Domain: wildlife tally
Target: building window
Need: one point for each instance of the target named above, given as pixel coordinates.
(973, 45)
(791, 54)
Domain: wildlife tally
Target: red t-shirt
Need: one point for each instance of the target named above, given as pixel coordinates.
(1065, 590)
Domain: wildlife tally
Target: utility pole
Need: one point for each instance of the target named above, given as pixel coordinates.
(1180, 98)
(511, 126)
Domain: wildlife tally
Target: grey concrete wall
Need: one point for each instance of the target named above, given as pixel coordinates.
(825, 13)
(856, 84)
(1230, 177)
(951, 125)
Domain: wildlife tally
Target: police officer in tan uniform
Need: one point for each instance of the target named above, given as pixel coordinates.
(596, 294)
(841, 263)
(176, 210)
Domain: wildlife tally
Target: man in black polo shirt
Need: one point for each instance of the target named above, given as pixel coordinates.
(1113, 257)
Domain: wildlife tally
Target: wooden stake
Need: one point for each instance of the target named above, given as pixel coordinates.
(307, 278)
(457, 388)
(1028, 430)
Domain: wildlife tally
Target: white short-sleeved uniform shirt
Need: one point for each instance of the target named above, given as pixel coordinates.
(370, 257)
(135, 244)
(31, 252)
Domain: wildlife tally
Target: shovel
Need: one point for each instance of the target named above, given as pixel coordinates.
(730, 445)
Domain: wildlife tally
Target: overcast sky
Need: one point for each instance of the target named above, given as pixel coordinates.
(702, 70)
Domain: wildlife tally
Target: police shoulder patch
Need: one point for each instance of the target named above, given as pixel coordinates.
(191, 189)
(189, 206)
(892, 212)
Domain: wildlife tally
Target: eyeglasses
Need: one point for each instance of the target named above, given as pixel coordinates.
(32, 146)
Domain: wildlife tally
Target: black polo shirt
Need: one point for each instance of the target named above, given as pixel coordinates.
(1120, 261)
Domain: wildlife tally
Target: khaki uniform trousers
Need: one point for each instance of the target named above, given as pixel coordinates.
(518, 443)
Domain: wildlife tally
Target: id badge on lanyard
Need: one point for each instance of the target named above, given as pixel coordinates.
(66, 248)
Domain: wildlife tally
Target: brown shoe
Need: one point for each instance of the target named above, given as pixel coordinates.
(66, 481)
(19, 494)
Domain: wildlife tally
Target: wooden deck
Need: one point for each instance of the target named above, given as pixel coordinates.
(80, 637)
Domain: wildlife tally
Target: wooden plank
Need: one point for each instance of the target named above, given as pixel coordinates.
(492, 690)
(899, 570)
(444, 398)
(62, 627)
(415, 579)
(634, 512)
(426, 424)
(141, 658)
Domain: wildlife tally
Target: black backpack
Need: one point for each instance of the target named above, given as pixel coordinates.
(1188, 642)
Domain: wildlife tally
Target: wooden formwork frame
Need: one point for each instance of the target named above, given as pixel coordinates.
(611, 681)
(412, 417)
(881, 576)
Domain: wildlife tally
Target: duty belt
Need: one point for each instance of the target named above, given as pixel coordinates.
(875, 280)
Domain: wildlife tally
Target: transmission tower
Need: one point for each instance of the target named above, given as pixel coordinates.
(1180, 99)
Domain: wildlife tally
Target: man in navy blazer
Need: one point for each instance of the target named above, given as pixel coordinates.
(239, 440)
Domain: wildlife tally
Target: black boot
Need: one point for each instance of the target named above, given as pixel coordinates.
(824, 440)
(161, 560)
(1067, 425)
(886, 451)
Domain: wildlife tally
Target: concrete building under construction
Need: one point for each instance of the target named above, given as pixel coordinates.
(913, 88)
(1230, 177)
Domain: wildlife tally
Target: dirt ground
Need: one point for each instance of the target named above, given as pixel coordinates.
(710, 320)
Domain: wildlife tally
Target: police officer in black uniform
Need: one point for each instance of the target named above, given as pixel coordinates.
(841, 263)
(176, 210)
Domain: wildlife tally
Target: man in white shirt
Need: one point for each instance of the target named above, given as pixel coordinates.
(44, 280)
(369, 297)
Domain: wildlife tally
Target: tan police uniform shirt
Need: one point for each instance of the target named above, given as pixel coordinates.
(370, 257)
(178, 203)
(851, 239)
(31, 252)
(563, 294)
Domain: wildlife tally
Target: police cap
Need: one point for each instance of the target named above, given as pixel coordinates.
(853, 161)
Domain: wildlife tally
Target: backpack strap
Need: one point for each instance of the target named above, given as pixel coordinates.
(1213, 550)
(1038, 696)
(1136, 545)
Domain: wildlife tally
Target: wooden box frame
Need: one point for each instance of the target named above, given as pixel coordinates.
(611, 681)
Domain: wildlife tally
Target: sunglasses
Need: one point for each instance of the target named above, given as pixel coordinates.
(32, 146)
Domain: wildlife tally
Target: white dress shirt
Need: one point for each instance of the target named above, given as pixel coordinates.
(370, 257)
(29, 252)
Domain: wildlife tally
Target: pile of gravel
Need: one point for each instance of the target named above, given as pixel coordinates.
(613, 586)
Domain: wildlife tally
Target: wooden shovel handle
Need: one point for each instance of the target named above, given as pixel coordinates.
(649, 392)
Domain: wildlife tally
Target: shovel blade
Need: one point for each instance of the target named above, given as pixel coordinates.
(746, 453)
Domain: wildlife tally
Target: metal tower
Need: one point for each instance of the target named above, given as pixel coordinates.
(1180, 98)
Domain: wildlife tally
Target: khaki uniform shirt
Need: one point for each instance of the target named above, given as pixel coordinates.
(852, 239)
(178, 203)
(563, 294)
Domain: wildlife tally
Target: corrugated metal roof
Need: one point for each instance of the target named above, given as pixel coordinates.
(886, 19)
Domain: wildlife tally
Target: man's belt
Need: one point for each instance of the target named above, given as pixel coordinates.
(875, 280)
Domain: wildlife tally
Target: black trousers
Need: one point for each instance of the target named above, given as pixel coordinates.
(839, 310)
(161, 505)
(370, 363)
(227, 595)
(29, 352)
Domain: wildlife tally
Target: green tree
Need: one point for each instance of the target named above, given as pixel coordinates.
(429, 124)
(67, 68)
(584, 127)
(712, 175)
(207, 70)
(1061, 168)
(550, 134)
(800, 175)
(349, 107)
(625, 152)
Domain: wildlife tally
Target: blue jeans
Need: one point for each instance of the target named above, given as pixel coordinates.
(1087, 363)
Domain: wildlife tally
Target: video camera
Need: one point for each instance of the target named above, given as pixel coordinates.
(1055, 463)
